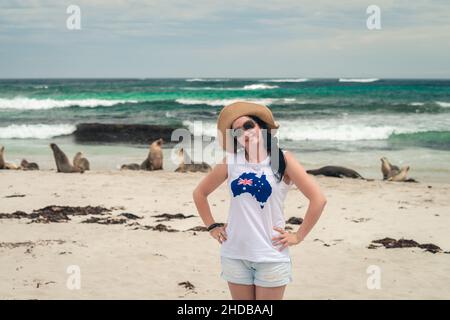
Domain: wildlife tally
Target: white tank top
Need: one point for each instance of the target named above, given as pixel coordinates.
(256, 206)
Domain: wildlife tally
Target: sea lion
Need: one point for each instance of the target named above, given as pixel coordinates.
(6, 165)
(29, 165)
(154, 159)
(81, 162)
(186, 164)
(387, 169)
(338, 172)
(131, 166)
(62, 162)
(2, 159)
(401, 176)
(11, 166)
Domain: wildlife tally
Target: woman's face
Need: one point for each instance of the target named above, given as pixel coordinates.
(250, 136)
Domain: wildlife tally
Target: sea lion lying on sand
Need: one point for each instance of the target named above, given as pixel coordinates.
(62, 162)
(81, 162)
(401, 176)
(338, 172)
(25, 165)
(393, 173)
(131, 166)
(6, 165)
(154, 159)
(186, 164)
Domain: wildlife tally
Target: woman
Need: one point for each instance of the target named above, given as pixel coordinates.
(254, 245)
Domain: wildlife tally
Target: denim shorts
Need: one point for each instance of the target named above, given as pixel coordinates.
(264, 274)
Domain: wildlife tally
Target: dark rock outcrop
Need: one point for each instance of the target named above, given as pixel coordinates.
(122, 133)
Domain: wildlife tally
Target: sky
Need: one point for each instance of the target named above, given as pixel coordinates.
(228, 38)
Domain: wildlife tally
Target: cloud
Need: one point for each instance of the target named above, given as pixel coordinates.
(245, 37)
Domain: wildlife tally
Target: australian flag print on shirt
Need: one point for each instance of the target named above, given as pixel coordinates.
(258, 187)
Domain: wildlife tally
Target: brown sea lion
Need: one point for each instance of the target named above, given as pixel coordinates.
(2, 159)
(62, 162)
(387, 169)
(81, 162)
(186, 164)
(154, 159)
(401, 176)
(6, 165)
(338, 172)
(29, 165)
(131, 166)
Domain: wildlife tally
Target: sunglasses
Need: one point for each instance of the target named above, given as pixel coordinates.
(238, 132)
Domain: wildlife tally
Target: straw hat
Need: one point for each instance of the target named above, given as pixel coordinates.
(238, 109)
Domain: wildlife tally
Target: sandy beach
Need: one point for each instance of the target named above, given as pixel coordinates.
(130, 260)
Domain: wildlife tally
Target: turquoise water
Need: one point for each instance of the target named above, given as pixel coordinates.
(323, 121)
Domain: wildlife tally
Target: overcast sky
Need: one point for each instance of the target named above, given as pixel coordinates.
(228, 38)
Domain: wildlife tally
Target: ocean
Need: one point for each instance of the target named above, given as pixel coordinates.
(345, 122)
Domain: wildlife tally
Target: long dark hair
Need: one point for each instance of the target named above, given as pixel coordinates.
(271, 144)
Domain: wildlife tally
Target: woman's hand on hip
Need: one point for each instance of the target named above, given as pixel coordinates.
(219, 233)
(285, 239)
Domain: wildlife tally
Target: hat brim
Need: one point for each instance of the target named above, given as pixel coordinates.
(238, 109)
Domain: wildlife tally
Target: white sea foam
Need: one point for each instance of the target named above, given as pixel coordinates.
(222, 102)
(286, 80)
(353, 129)
(443, 104)
(35, 131)
(259, 86)
(256, 86)
(318, 131)
(209, 88)
(416, 104)
(358, 80)
(40, 104)
(170, 114)
(343, 128)
(205, 80)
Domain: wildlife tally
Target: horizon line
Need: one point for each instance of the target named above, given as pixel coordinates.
(198, 77)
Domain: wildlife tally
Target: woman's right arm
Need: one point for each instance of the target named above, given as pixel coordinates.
(207, 185)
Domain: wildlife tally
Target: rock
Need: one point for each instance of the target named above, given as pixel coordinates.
(119, 133)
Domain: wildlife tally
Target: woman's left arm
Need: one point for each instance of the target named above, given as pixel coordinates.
(317, 201)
